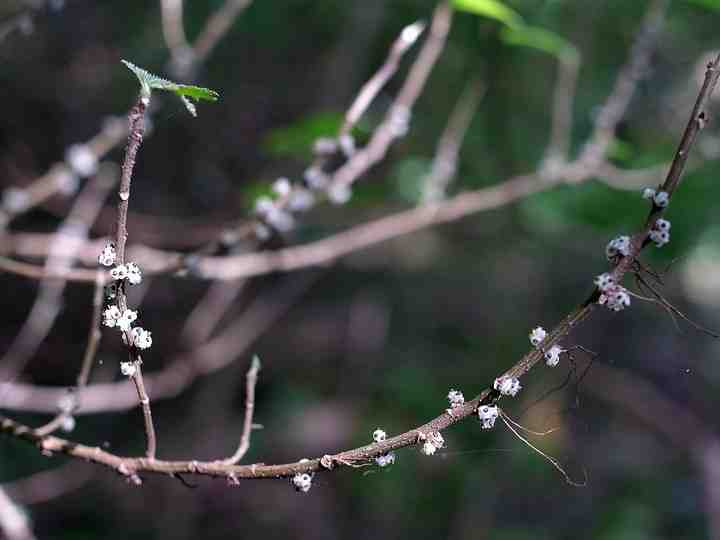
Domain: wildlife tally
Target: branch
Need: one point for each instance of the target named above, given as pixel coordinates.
(250, 382)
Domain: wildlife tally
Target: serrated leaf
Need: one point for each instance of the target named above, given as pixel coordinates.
(540, 39)
(196, 92)
(149, 82)
(492, 9)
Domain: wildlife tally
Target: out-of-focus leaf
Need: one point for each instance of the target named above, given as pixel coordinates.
(710, 4)
(493, 9)
(541, 39)
(296, 140)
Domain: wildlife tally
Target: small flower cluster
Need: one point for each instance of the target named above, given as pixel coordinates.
(276, 213)
(129, 271)
(487, 415)
(507, 386)
(113, 317)
(302, 482)
(660, 233)
(432, 442)
(552, 355)
(659, 198)
(613, 295)
(385, 459)
(617, 247)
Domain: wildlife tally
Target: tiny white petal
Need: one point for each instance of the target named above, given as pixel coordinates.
(379, 435)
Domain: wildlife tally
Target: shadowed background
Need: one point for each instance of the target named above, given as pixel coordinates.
(379, 338)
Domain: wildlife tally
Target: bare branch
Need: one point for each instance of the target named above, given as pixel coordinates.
(250, 382)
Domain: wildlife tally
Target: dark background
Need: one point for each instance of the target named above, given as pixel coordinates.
(379, 338)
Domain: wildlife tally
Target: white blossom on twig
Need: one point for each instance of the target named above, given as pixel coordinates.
(537, 336)
(487, 415)
(107, 255)
(82, 160)
(552, 355)
(128, 369)
(507, 386)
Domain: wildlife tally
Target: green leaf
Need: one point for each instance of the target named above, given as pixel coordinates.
(540, 39)
(493, 9)
(710, 4)
(150, 82)
(297, 139)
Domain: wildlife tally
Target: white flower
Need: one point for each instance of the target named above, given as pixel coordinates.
(456, 398)
(141, 338)
(618, 246)
(648, 193)
(433, 442)
(605, 281)
(302, 482)
(82, 160)
(385, 459)
(660, 238)
(339, 193)
(107, 255)
(126, 319)
(325, 146)
(119, 272)
(15, 200)
(67, 424)
(537, 336)
(128, 369)
(316, 178)
(616, 299)
(280, 220)
(134, 275)
(282, 187)
(661, 199)
(264, 205)
(487, 415)
(300, 200)
(662, 225)
(552, 356)
(111, 316)
(507, 386)
(347, 144)
(379, 435)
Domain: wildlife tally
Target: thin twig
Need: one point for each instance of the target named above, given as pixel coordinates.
(137, 127)
(444, 164)
(14, 523)
(250, 382)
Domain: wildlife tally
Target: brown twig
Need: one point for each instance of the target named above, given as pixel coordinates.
(444, 164)
(250, 382)
(137, 127)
